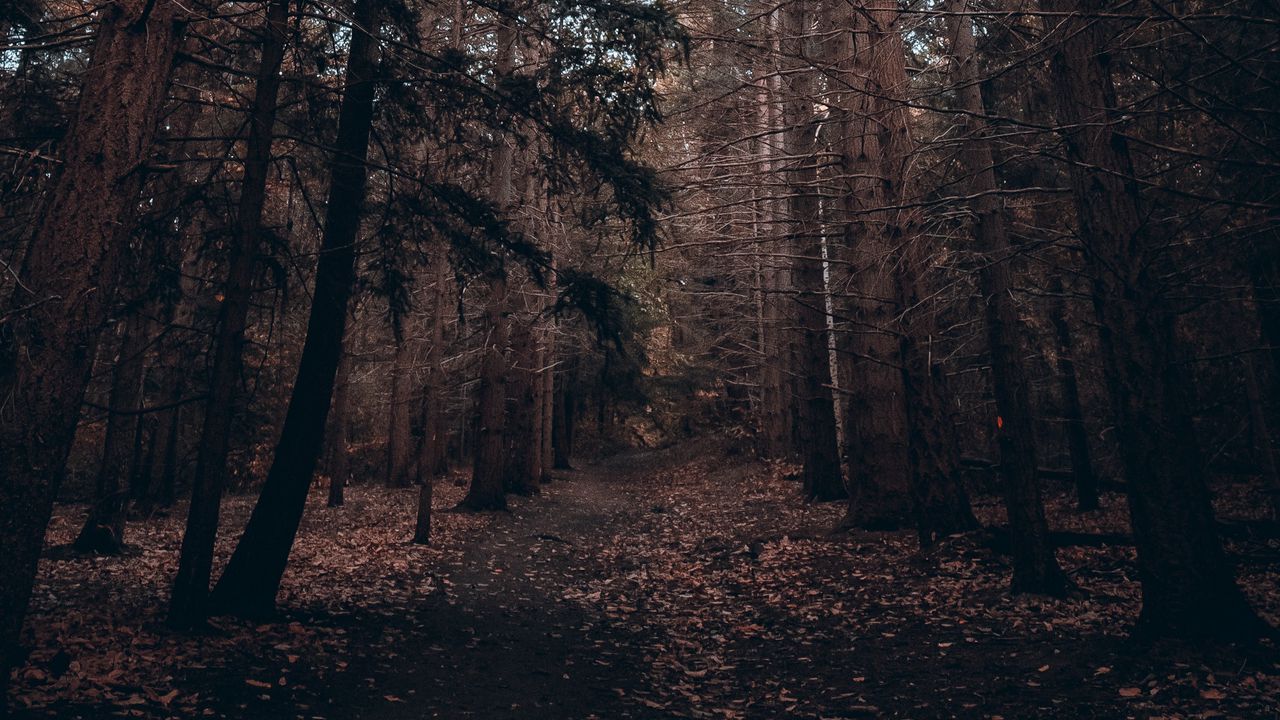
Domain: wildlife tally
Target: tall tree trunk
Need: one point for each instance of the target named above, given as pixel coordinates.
(64, 287)
(103, 530)
(822, 478)
(522, 406)
(187, 605)
(487, 477)
(338, 461)
(432, 461)
(1082, 476)
(547, 378)
(1188, 588)
(399, 432)
(1035, 566)
(875, 424)
(563, 416)
(249, 585)
(775, 399)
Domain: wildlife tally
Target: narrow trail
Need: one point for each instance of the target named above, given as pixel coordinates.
(499, 639)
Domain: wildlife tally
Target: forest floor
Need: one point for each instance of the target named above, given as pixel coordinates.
(658, 584)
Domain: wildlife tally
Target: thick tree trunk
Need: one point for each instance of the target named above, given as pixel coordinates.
(64, 286)
(899, 435)
(249, 585)
(1035, 566)
(187, 606)
(103, 530)
(822, 478)
(875, 422)
(1188, 588)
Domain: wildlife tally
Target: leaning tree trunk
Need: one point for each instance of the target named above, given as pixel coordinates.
(1188, 588)
(249, 585)
(64, 286)
(822, 478)
(195, 564)
(1035, 566)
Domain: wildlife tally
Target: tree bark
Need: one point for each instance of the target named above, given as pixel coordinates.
(488, 475)
(821, 476)
(1188, 588)
(1082, 475)
(251, 581)
(1035, 566)
(875, 424)
(64, 287)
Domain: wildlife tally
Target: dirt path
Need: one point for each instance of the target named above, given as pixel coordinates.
(496, 638)
(500, 640)
(685, 583)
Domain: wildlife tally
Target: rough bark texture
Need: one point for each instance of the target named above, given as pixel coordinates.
(63, 293)
(875, 422)
(821, 477)
(1035, 567)
(775, 393)
(1188, 588)
(191, 585)
(249, 585)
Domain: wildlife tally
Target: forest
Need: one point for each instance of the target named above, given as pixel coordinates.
(597, 359)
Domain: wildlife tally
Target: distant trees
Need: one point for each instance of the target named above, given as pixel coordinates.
(952, 281)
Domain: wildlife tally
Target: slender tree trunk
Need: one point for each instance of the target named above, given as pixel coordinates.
(822, 480)
(249, 585)
(547, 377)
(103, 530)
(1082, 476)
(187, 605)
(399, 432)
(562, 419)
(64, 286)
(521, 429)
(775, 397)
(1188, 588)
(338, 460)
(1035, 566)
(487, 478)
(432, 461)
